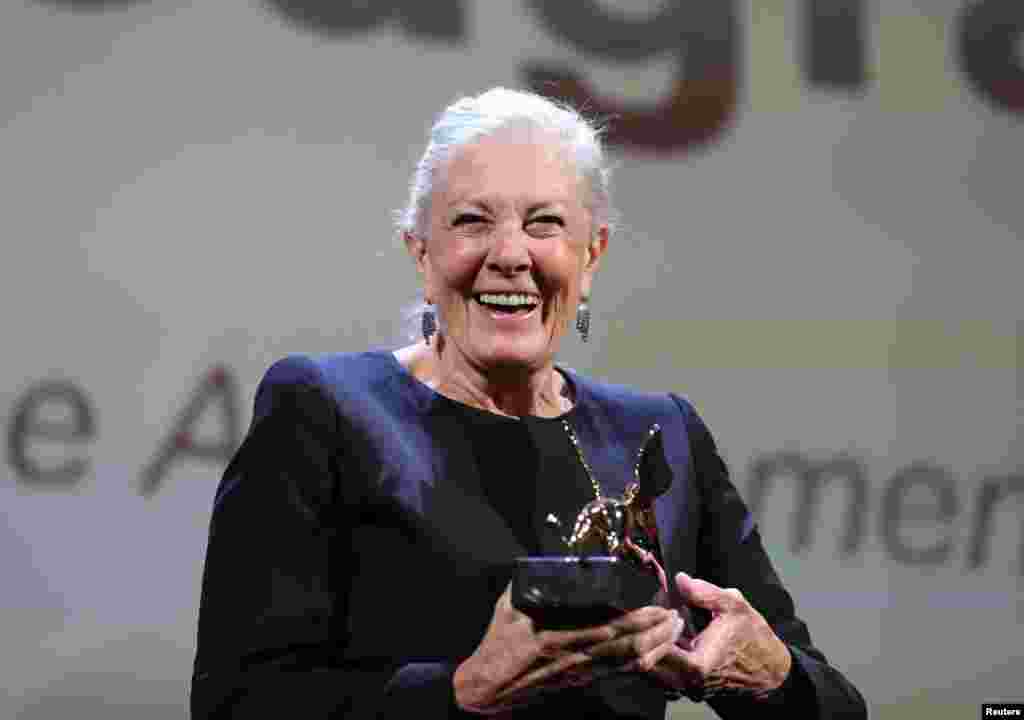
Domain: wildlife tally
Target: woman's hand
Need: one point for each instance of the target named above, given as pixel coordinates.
(515, 661)
(738, 652)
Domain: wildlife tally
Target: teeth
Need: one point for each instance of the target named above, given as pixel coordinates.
(508, 299)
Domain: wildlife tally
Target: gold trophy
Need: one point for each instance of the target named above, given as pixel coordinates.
(614, 561)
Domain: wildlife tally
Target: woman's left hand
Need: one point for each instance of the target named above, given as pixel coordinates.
(737, 653)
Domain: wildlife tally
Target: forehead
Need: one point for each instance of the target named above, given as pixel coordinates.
(512, 167)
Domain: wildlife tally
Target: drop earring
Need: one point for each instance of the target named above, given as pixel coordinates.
(429, 323)
(583, 319)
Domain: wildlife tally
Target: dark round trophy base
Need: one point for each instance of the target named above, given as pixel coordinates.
(568, 592)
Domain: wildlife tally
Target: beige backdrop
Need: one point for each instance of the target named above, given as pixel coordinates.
(192, 185)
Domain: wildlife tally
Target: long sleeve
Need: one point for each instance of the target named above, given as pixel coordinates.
(730, 554)
(273, 622)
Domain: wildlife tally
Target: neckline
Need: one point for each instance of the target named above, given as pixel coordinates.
(432, 394)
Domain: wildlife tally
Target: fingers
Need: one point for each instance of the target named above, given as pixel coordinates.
(564, 657)
(641, 619)
(569, 669)
(642, 648)
(637, 635)
(557, 642)
(554, 642)
(677, 669)
(516, 659)
(663, 645)
(504, 602)
(706, 595)
(650, 660)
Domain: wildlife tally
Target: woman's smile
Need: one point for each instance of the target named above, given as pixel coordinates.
(509, 310)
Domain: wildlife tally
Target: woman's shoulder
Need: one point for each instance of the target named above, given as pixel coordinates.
(352, 382)
(629, 400)
(331, 369)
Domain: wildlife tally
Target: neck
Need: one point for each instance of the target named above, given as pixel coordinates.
(517, 392)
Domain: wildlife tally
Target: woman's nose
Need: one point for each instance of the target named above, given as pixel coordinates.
(509, 255)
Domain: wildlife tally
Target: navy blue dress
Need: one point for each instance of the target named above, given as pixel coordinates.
(365, 529)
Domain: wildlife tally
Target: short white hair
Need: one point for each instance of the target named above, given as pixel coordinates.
(469, 119)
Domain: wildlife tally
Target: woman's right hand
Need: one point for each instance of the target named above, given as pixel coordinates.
(515, 661)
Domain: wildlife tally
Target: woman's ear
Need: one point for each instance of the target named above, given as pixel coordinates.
(417, 248)
(597, 247)
(592, 258)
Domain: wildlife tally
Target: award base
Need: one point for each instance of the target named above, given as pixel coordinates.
(569, 592)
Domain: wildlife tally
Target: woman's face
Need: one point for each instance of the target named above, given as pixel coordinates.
(511, 249)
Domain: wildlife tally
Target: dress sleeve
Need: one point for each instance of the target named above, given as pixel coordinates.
(272, 618)
(730, 554)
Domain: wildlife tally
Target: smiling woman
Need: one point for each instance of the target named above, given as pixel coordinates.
(509, 250)
(508, 217)
(401, 486)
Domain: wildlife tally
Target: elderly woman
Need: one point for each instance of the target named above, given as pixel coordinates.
(362, 538)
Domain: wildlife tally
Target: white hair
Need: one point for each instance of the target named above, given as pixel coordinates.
(469, 119)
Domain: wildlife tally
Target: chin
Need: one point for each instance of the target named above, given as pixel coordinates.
(519, 356)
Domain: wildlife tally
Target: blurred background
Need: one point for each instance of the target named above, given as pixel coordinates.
(821, 246)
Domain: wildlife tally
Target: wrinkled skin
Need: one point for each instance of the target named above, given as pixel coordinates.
(515, 662)
(509, 215)
(738, 652)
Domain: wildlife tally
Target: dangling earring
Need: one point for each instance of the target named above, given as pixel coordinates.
(429, 323)
(583, 320)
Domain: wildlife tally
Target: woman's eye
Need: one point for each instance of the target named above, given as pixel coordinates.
(466, 218)
(548, 220)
